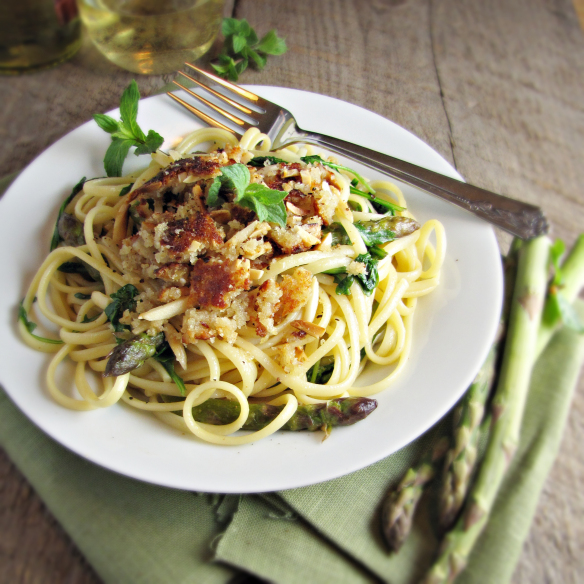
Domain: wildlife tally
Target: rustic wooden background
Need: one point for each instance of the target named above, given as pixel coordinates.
(496, 87)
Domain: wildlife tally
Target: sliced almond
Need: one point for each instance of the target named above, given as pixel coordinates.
(296, 210)
(308, 327)
(255, 274)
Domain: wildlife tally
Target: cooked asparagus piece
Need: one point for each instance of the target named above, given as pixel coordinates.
(507, 412)
(336, 412)
(132, 353)
(375, 232)
(70, 230)
(400, 503)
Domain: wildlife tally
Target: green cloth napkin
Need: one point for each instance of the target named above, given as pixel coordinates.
(136, 533)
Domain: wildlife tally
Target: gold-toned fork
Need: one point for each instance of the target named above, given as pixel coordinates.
(520, 219)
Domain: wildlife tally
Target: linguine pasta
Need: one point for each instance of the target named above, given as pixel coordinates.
(249, 310)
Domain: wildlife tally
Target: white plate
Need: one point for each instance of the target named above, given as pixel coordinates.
(454, 326)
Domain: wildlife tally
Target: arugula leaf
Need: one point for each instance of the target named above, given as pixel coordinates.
(321, 371)
(368, 281)
(344, 283)
(56, 239)
(126, 189)
(81, 296)
(87, 319)
(380, 205)
(259, 161)
(316, 159)
(165, 356)
(126, 133)
(30, 326)
(242, 47)
(373, 233)
(123, 300)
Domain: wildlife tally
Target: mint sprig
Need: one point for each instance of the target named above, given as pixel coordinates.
(557, 307)
(242, 48)
(126, 133)
(268, 204)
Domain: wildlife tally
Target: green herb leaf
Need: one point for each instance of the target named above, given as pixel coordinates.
(213, 193)
(380, 205)
(30, 326)
(237, 177)
(115, 156)
(272, 44)
(81, 296)
(165, 356)
(151, 144)
(129, 110)
(106, 123)
(126, 189)
(321, 371)
(123, 299)
(56, 239)
(242, 46)
(370, 278)
(260, 161)
(344, 283)
(87, 319)
(316, 159)
(126, 133)
(267, 203)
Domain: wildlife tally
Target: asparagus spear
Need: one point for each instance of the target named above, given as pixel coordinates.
(375, 232)
(508, 406)
(460, 460)
(337, 412)
(132, 353)
(70, 230)
(400, 503)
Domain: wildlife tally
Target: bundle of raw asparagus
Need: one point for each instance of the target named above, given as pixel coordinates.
(534, 307)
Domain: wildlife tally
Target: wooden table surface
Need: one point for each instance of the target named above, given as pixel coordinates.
(496, 87)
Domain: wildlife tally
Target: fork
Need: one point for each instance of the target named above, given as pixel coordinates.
(520, 219)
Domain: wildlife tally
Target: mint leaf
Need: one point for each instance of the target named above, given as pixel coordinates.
(230, 26)
(129, 110)
(115, 156)
(106, 123)
(239, 43)
(259, 60)
(267, 203)
(226, 68)
(152, 143)
(238, 177)
(213, 193)
(272, 44)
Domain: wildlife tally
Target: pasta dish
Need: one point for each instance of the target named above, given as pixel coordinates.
(228, 286)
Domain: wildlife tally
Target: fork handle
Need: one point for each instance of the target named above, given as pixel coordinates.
(520, 219)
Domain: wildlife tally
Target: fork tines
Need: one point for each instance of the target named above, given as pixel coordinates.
(241, 125)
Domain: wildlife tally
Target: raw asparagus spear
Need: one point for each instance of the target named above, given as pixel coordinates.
(336, 412)
(460, 460)
(132, 353)
(400, 503)
(375, 232)
(508, 407)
